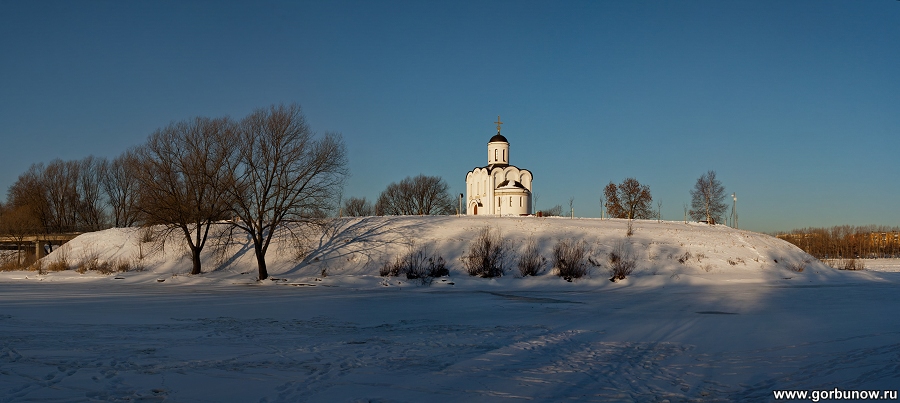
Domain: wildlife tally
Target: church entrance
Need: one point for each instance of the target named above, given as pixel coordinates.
(475, 209)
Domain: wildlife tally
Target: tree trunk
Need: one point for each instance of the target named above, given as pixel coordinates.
(261, 262)
(195, 258)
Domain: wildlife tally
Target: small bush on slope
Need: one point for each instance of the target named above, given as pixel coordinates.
(486, 255)
(621, 262)
(853, 264)
(416, 265)
(531, 263)
(570, 259)
(799, 266)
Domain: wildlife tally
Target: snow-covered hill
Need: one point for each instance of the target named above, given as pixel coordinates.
(352, 250)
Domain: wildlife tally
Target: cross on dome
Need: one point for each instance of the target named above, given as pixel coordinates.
(498, 122)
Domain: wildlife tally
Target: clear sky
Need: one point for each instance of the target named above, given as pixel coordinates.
(795, 104)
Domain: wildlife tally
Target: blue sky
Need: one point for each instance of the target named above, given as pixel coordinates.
(796, 105)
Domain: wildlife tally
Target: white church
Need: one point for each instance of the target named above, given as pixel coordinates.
(498, 189)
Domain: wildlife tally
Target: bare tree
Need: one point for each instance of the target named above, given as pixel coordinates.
(284, 174)
(182, 178)
(119, 182)
(602, 206)
(60, 178)
(63, 195)
(629, 200)
(30, 190)
(554, 211)
(659, 211)
(90, 203)
(572, 207)
(18, 223)
(708, 199)
(358, 207)
(420, 195)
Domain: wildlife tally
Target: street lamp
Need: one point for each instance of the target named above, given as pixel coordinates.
(733, 212)
(459, 209)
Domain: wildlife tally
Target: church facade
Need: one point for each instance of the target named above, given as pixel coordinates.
(498, 189)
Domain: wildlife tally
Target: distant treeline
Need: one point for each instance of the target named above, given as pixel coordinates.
(847, 241)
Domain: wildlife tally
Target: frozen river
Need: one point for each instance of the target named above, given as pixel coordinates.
(727, 342)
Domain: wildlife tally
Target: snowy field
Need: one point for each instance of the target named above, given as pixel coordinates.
(701, 330)
(884, 265)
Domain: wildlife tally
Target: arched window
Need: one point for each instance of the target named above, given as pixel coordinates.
(520, 201)
(504, 155)
(510, 201)
(495, 154)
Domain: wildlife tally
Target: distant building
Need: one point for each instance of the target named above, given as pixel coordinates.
(498, 189)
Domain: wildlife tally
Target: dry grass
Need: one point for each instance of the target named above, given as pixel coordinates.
(846, 264)
(798, 266)
(621, 262)
(531, 263)
(416, 265)
(487, 254)
(570, 259)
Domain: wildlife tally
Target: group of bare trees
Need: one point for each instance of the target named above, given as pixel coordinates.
(261, 173)
(632, 200)
(419, 195)
(63, 195)
(846, 241)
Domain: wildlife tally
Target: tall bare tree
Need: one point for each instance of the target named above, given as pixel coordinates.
(629, 200)
(183, 178)
(91, 215)
(119, 181)
(17, 223)
(63, 195)
(420, 195)
(284, 174)
(60, 178)
(30, 190)
(708, 198)
(358, 207)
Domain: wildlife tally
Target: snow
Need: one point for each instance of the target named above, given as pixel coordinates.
(702, 330)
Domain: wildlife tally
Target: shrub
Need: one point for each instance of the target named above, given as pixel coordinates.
(853, 264)
(798, 266)
(58, 265)
(531, 263)
(416, 265)
(487, 254)
(570, 259)
(621, 262)
(734, 262)
(62, 260)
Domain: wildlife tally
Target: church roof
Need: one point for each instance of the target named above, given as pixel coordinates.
(510, 184)
(498, 138)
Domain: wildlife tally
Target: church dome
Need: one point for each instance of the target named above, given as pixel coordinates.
(498, 138)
